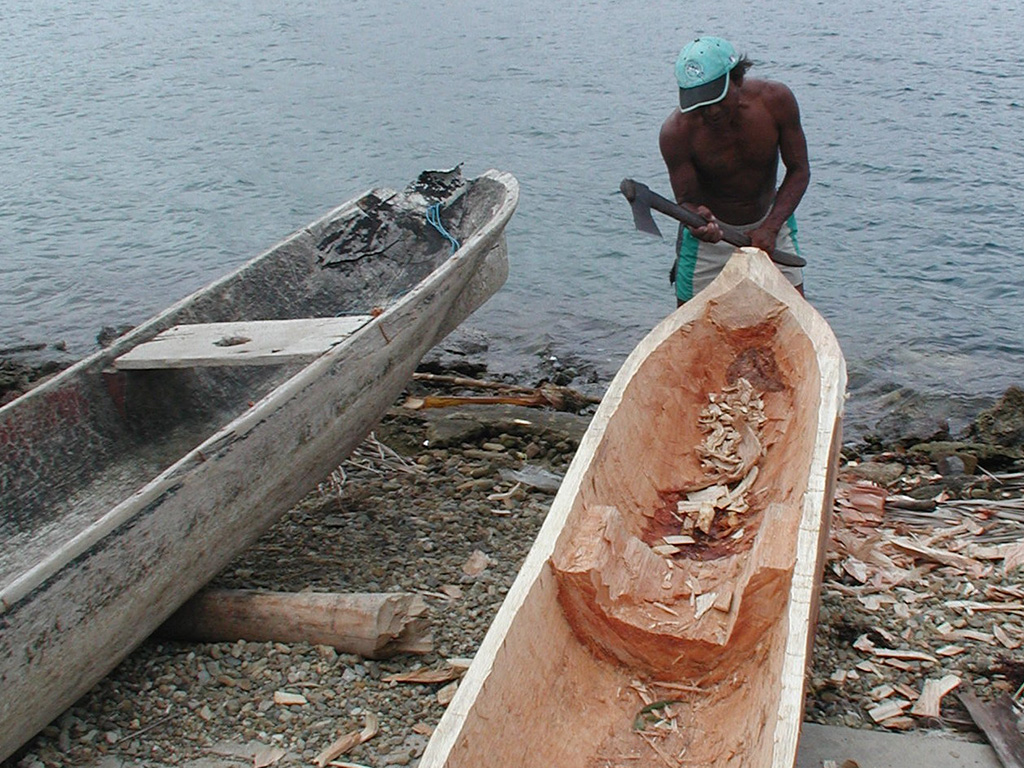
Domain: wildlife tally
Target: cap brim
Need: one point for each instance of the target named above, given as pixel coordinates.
(703, 95)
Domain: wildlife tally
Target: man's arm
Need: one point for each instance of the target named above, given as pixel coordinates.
(793, 150)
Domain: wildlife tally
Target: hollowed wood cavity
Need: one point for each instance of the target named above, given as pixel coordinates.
(675, 616)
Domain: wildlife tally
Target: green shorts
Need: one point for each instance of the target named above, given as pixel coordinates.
(698, 263)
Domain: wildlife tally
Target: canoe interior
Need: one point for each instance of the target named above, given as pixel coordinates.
(598, 625)
(75, 447)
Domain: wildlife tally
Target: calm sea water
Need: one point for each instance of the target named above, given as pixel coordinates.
(147, 148)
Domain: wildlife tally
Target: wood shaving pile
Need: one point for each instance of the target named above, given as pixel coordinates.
(934, 610)
(731, 422)
(699, 509)
(722, 421)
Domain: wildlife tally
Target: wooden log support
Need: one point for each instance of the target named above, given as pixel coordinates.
(374, 625)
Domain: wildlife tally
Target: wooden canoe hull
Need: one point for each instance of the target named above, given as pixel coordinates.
(597, 626)
(72, 610)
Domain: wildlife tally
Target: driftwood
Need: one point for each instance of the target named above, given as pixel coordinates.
(546, 395)
(374, 625)
(998, 721)
(467, 383)
(559, 398)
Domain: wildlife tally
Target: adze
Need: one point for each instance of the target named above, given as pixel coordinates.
(642, 200)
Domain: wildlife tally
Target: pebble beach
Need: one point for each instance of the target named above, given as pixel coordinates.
(445, 504)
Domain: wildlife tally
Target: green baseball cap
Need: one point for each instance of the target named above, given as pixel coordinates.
(702, 71)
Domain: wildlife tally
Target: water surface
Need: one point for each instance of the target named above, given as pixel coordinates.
(150, 147)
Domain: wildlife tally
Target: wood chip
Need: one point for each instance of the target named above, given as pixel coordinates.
(873, 602)
(349, 741)
(995, 551)
(454, 591)
(1005, 590)
(446, 694)
(679, 540)
(267, 756)
(880, 692)
(704, 603)
(889, 709)
(476, 564)
(864, 644)
(970, 606)
(866, 497)
(904, 655)
(971, 634)
(907, 692)
(868, 667)
(888, 636)
(1001, 635)
(940, 556)
(705, 517)
(899, 664)
(427, 676)
(1014, 559)
(930, 700)
(857, 569)
(286, 699)
(724, 601)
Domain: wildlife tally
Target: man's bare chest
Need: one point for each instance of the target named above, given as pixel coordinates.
(728, 153)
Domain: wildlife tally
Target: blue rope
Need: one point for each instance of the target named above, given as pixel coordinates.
(434, 219)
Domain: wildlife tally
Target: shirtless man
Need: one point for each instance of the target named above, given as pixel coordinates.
(722, 148)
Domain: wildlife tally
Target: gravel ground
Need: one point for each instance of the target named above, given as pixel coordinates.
(407, 513)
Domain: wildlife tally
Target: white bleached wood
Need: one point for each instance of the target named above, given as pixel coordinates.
(256, 342)
(136, 525)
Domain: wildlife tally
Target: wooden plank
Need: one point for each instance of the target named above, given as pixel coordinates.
(998, 722)
(254, 342)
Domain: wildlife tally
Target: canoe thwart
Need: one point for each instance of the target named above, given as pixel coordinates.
(253, 342)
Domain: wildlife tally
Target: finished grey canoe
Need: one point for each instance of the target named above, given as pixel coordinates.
(665, 614)
(133, 477)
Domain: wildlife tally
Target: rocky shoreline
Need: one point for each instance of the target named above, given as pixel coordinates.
(446, 503)
(22, 368)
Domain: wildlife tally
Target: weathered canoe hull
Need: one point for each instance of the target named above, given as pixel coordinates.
(73, 613)
(594, 616)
